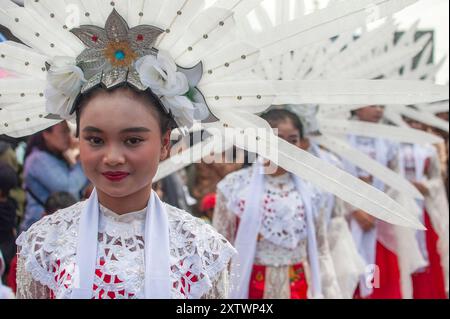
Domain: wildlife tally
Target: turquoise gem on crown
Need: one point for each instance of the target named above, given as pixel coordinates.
(120, 55)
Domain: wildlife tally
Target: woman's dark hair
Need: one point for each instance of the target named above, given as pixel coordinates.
(8, 179)
(165, 120)
(276, 116)
(37, 141)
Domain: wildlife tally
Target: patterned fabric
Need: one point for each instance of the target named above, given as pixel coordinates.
(46, 266)
(283, 223)
(283, 236)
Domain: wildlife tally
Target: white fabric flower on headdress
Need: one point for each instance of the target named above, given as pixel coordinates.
(161, 76)
(64, 81)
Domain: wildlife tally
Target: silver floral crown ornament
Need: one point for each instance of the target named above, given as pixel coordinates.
(117, 55)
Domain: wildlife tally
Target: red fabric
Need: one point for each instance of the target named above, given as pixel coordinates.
(299, 285)
(389, 287)
(429, 284)
(11, 280)
(389, 276)
(257, 282)
(208, 202)
(297, 279)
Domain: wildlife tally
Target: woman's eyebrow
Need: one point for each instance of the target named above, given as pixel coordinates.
(91, 129)
(136, 130)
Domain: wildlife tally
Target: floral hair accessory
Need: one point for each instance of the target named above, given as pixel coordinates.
(116, 55)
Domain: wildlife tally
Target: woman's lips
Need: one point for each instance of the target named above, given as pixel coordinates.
(116, 176)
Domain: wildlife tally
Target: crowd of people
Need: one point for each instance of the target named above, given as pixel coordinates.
(52, 178)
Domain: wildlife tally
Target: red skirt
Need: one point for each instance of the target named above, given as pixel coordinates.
(387, 284)
(297, 281)
(429, 284)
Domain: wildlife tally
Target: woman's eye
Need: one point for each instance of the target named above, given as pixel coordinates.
(133, 141)
(96, 141)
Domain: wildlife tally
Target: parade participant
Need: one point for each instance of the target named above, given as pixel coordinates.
(285, 215)
(368, 231)
(126, 60)
(8, 206)
(124, 133)
(47, 170)
(420, 165)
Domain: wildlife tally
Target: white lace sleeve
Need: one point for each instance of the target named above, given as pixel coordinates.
(330, 286)
(348, 264)
(224, 221)
(36, 265)
(220, 287)
(27, 287)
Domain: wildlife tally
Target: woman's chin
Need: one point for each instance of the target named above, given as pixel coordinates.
(115, 192)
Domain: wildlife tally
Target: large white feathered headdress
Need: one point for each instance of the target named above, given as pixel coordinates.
(144, 43)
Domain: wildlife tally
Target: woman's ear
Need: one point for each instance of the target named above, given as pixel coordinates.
(165, 145)
(45, 135)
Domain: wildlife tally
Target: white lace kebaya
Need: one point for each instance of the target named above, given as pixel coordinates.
(283, 231)
(47, 256)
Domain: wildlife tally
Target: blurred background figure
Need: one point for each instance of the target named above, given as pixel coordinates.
(368, 232)
(421, 166)
(8, 206)
(203, 177)
(5, 292)
(50, 168)
(207, 207)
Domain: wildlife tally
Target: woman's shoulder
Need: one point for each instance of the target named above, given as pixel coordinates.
(47, 241)
(198, 231)
(198, 241)
(235, 180)
(37, 154)
(37, 157)
(52, 226)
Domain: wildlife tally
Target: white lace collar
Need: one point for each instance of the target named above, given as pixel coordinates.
(198, 253)
(123, 218)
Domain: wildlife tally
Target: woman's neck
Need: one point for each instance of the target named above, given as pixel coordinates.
(127, 204)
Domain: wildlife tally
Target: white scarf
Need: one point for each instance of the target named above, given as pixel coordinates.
(420, 157)
(157, 252)
(366, 242)
(247, 235)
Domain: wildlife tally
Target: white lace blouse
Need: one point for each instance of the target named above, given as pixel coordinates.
(283, 233)
(46, 264)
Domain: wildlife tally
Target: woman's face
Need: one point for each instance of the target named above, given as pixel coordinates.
(372, 113)
(120, 144)
(414, 124)
(59, 138)
(288, 132)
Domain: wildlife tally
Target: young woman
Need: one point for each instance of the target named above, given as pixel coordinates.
(123, 242)
(370, 234)
(134, 231)
(278, 226)
(47, 171)
(420, 165)
(61, 72)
